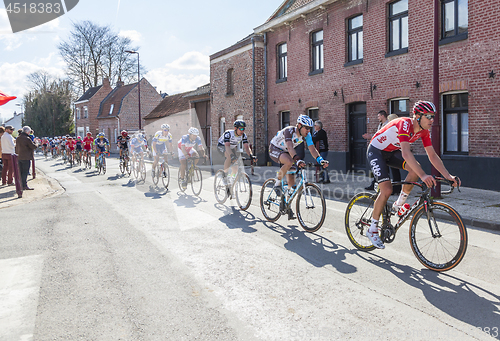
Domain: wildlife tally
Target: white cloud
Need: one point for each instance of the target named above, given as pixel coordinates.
(131, 34)
(193, 60)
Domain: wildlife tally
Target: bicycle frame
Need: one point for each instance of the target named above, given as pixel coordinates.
(302, 181)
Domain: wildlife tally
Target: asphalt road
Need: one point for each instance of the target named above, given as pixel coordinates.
(112, 259)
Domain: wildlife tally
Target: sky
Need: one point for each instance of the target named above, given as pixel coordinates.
(175, 39)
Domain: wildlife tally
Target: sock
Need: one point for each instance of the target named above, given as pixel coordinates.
(401, 199)
(374, 226)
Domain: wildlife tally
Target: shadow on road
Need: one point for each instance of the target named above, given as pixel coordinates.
(187, 201)
(459, 299)
(156, 192)
(237, 219)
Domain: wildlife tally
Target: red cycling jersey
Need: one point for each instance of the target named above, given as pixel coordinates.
(389, 138)
(87, 143)
(71, 144)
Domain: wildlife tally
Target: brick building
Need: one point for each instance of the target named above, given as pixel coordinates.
(341, 61)
(120, 109)
(237, 91)
(87, 108)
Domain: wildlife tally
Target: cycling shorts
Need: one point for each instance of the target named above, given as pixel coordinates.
(181, 154)
(160, 149)
(234, 154)
(380, 161)
(275, 152)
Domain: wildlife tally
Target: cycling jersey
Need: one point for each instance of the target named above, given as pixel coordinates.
(88, 142)
(290, 134)
(123, 142)
(101, 144)
(389, 138)
(187, 143)
(79, 145)
(233, 139)
(161, 140)
(71, 145)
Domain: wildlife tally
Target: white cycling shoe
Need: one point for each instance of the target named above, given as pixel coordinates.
(375, 239)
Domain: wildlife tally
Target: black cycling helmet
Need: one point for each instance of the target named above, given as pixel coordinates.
(240, 124)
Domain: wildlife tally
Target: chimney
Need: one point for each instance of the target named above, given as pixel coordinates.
(105, 83)
(119, 83)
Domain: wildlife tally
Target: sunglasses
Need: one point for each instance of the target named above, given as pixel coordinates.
(242, 129)
(308, 128)
(429, 117)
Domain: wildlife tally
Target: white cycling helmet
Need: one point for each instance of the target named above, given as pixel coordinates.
(305, 121)
(165, 127)
(193, 131)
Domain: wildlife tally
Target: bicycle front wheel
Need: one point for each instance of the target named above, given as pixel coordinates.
(103, 165)
(155, 174)
(358, 217)
(220, 189)
(243, 191)
(311, 208)
(135, 168)
(270, 200)
(165, 174)
(127, 167)
(196, 181)
(438, 240)
(143, 170)
(122, 166)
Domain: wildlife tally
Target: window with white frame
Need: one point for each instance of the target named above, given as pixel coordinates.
(284, 119)
(317, 52)
(77, 113)
(400, 107)
(456, 123)
(85, 112)
(355, 39)
(111, 109)
(222, 125)
(282, 62)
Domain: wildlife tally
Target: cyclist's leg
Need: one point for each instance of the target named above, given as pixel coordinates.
(397, 161)
(276, 155)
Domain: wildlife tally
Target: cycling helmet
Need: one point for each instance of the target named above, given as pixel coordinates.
(100, 135)
(79, 138)
(424, 107)
(305, 121)
(240, 124)
(89, 134)
(165, 127)
(124, 133)
(70, 137)
(193, 131)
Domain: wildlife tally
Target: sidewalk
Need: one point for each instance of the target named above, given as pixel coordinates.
(44, 187)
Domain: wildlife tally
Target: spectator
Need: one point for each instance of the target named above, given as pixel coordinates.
(2, 131)
(320, 140)
(8, 148)
(24, 150)
(382, 119)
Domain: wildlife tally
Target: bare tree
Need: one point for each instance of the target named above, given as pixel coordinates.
(94, 52)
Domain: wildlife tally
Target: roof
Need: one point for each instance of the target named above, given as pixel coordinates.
(114, 98)
(170, 105)
(243, 42)
(288, 6)
(89, 93)
(202, 90)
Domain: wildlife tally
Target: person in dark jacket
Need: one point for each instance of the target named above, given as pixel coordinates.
(320, 140)
(24, 149)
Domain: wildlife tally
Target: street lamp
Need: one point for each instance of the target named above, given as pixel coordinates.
(138, 85)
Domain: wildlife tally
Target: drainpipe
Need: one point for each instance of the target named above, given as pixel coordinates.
(253, 93)
(119, 131)
(436, 128)
(265, 100)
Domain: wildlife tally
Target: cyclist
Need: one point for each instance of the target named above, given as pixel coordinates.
(390, 147)
(138, 145)
(159, 144)
(287, 148)
(101, 145)
(45, 143)
(123, 141)
(88, 142)
(70, 147)
(186, 148)
(62, 146)
(228, 142)
(79, 146)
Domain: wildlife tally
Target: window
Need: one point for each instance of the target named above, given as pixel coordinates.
(355, 40)
(285, 119)
(400, 107)
(282, 62)
(313, 113)
(317, 52)
(77, 113)
(87, 129)
(398, 27)
(222, 125)
(456, 123)
(454, 20)
(111, 109)
(230, 82)
(85, 112)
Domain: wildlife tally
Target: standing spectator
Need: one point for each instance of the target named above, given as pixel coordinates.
(8, 148)
(24, 150)
(320, 140)
(2, 131)
(382, 119)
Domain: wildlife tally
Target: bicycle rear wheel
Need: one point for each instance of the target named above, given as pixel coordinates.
(270, 201)
(196, 181)
(122, 166)
(358, 217)
(311, 208)
(99, 165)
(143, 170)
(155, 174)
(444, 247)
(243, 191)
(220, 188)
(127, 166)
(165, 174)
(180, 181)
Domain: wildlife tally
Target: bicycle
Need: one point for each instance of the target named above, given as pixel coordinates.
(125, 162)
(139, 168)
(87, 159)
(310, 204)
(239, 184)
(193, 176)
(78, 157)
(438, 248)
(71, 156)
(163, 170)
(101, 162)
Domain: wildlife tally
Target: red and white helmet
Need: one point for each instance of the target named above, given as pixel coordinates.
(424, 108)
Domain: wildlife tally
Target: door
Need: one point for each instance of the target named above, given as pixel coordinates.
(357, 127)
(203, 114)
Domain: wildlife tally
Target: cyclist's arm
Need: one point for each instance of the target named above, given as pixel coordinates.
(228, 150)
(183, 149)
(248, 150)
(438, 163)
(414, 165)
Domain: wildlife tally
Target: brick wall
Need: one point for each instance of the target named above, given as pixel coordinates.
(93, 109)
(240, 102)
(464, 66)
